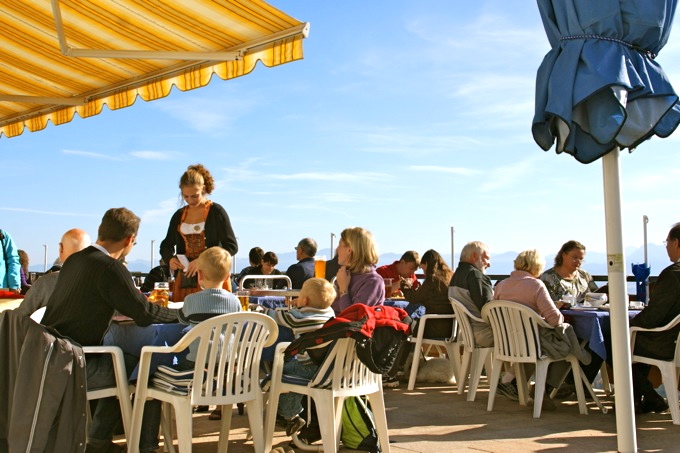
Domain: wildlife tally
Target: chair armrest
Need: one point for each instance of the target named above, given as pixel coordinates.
(420, 324)
(277, 366)
(635, 329)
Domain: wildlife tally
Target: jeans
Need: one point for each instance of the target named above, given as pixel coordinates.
(107, 414)
(290, 404)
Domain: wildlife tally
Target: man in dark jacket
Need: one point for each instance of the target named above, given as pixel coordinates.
(663, 307)
(304, 268)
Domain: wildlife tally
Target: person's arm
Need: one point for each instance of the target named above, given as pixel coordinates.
(169, 246)
(425, 292)
(480, 289)
(223, 232)
(664, 301)
(546, 306)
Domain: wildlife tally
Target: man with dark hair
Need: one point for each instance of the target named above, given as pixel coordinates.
(255, 258)
(663, 307)
(92, 284)
(402, 272)
(304, 268)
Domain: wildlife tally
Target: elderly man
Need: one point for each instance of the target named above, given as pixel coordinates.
(74, 240)
(402, 272)
(663, 307)
(472, 287)
(304, 268)
(92, 284)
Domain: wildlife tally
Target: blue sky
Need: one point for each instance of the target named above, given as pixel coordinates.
(406, 118)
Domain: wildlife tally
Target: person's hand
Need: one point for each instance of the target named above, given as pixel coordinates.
(343, 278)
(192, 269)
(175, 264)
(405, 283)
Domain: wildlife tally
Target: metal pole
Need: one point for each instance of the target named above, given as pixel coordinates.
(618, 302)
(453, 262)
(645, 221)
(45, 259)
(153, 241)
(332, 252)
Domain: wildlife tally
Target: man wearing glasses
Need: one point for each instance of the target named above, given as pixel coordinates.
(663, 307)
(92, 284)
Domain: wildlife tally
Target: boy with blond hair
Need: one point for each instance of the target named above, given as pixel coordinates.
(311, 311)
(214, 267)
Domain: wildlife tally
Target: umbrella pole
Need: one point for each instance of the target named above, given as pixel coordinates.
(618, 301)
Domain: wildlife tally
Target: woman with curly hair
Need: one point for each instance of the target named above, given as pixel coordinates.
(198, 225)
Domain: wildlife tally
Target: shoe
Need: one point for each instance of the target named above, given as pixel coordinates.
(309, 434)
(652, 404)
(294, 425)
(390, 382)
(105, 448)
(508, 390)
(565, 391)
(547, 404)
(216, 414)
(198, 409)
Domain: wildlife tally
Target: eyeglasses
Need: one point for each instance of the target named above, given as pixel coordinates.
(578, 259)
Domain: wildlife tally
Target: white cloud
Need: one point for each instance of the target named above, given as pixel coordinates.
(155, 155)
(90, 154)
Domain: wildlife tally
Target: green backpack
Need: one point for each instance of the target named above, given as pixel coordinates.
(358, 426)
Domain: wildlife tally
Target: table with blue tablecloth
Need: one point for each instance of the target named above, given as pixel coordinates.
(594, 327)
(415, 311)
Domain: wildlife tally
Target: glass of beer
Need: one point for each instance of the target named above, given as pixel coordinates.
(244, 297)
(320, 266)
(160, 294)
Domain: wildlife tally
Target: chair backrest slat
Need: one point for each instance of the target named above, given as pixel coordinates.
(342, 369)
(515, 330)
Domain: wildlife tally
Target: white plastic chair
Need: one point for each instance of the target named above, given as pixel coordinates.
(450, 345)
(340, 376)
(668, 368)
(516, 339)
(122, 391)
(226, 372)
(474, 357)
(289, 283)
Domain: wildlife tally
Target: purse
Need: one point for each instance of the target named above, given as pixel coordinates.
(187, 282)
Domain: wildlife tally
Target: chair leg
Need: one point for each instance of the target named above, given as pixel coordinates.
(270, 418)
(254, 409)
(225, 426)
(462, 377)
(379, 415)
(539, 388)
(670, 385)
(493, 383)
(521, 379)
(579, 381)
(478, 358)
(329, 426)
(166, 427)
(414, 365)
(184, 427)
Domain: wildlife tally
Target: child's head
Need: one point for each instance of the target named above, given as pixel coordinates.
(317, 293)
(215, 264)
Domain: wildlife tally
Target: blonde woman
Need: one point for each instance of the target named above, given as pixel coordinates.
(357, 281)
(196, 226)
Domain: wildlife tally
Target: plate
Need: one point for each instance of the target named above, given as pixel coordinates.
(604, 308)
(584, 308)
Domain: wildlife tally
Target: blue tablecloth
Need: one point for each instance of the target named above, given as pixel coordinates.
(131, 338)
(415, 311)
(593, 326)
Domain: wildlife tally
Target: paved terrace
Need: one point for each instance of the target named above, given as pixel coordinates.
(434, 418)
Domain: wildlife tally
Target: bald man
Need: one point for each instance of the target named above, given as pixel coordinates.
(72, 241)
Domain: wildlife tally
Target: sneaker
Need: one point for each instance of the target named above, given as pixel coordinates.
(390, 382)
(565, 391)
(508, 390)
(294, 425)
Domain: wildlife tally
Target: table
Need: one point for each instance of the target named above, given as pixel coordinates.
(415, 311)
(131, 338)
(593, 326)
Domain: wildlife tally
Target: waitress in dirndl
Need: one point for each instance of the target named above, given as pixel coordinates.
(198, 225)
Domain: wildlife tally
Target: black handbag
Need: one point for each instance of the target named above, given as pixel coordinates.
(187, 282)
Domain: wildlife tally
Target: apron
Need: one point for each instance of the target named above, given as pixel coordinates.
(194, 244)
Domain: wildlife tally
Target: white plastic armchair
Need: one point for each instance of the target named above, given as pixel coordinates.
(474, 357)
(289, 283)
(668, 368)
(122, 391)
(516, 340)
(226, 372)
(450, 345)
(341, 375)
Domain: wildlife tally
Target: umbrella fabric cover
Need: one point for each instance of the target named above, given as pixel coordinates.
(599, 87)
(641, 273)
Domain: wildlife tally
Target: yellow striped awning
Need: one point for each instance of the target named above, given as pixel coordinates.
(62, 57)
